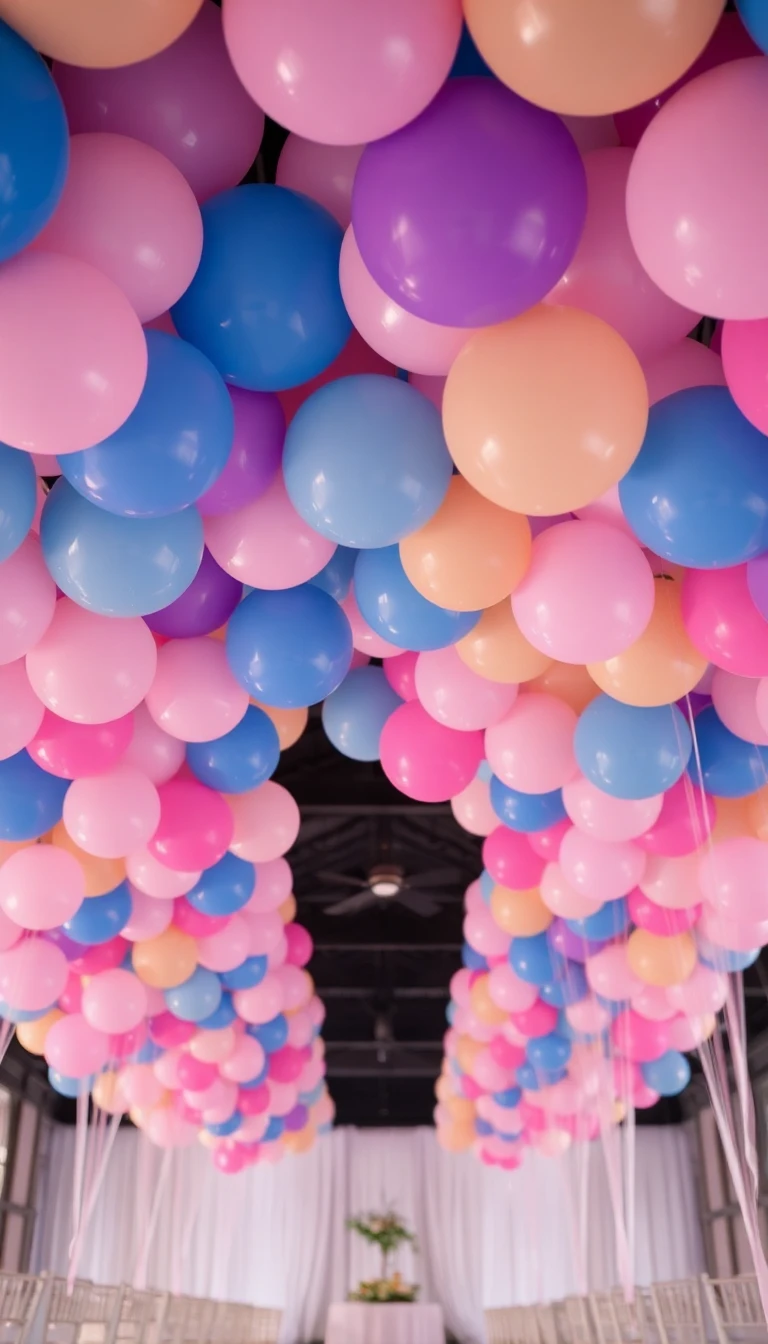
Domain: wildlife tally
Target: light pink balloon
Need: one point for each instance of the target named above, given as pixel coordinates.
(734, 935)
(194, 695)
(267, 544)
(490, 1075)
(745, 349)
(300, 1029)
(89, 668)
(266, 822)
(75, 1048)
(140, 1086)
(149, 917)
(735, 699)
(325, 173)
(508, 991)
(609, 974)
(260, 1003)
(73, 358)
(547, 843)
(405, 340)
(282, 1096)
(598, 869)
(687, 364)
(348, 73)
(454, 695)
(264, 933)
(21, 713)
(27, 600)
(563, 899)
(153, 879)
(686, 1033)
(226, 948)
(274, 883)
(588, 1016)
(733, 875)
(531, 750)
(605, 817)
(41, 887)
(652, 1002)
(472, 808)
(253, 1129)
(213, 1047)
(166, 1128)
(10, 933)
(673, 883)
(186, 101)
(484, 935)
(33, 975)
(295, 987)
(588, 593)
(166, 1069)
(154, 752)
(705, 991)
(246, 1062)
(127, 211)
(461, 985)
(112, 815)
(606, 509)
(431, 387)
(114, 1001)
(364, 639)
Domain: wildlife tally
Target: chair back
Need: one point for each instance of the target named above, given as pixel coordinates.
(677, 1312)
(736, 1309)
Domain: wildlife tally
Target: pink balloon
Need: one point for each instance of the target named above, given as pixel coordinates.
(592, 132)
(33, 975)
(115, 1001)
(397, 335)
(588, 1016)
(21, 713)
(10, 933)
(166, 1070)
(153, 879)
(300, 945)
(213, 1046)
(194, 695)
(111, 815)
(609, 974)
(735, 935)
(606, 509)
(424, 759)
(682, 826)
(286, 1064)
(282, 1096)
(510, 860)
(483, 933)
(454, 695)
(547, 843)
(41, 887)
(73, 358)
(126, 1043)
(364, 639)
(563, 899)
(531, 750)
(186, 102)
(71, 998)
(226, 948)
(431, 387)
(325, 173)
(736, 702)
(140, 1085)
(89, 668)
(196, 1075)
(505, 1053)
(723, 621)
(154, 752)
(687, 1033)
(705, 991)
(538, 1020)
(101, 957)
(127, 211)
(745, 350)
(167, 1031)
(246, 1062)
(295, 987)
(165, 1128)
(353, 73)
(605, 277)
(70, 750)
(267, 544)
(601, 870)
(733, 876)
(27, 601)
(400, 671)
(461, 985)
(638, 1038)
(687, 364)
(607, 818)
(652, 1002)
(663, 920)
(588, 593)
(260, 1003)
(472, 808)
(490, 1075)
(300, 1029)
(264, 933)
(274, 884)
(266, 823)
(195, 827)
(192, 921)
(149, 917)
(75, 1048)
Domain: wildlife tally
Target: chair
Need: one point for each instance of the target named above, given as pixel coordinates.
(19, 1299)
(677, 1312)
(266, 1325)
(620, 1322)
(139, 1316)
(89, 1314)
(573, 1322)
(736, 1308)
(545, 1313)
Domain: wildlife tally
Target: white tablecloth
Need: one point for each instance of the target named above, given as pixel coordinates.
(384, 1323)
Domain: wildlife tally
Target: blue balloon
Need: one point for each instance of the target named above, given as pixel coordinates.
(70, 1087)
(355, 713)
(101, 918)
(365, 460)
(450, 1013)
(609, 921)
(289, 648)
(483, 1128)
(484, 772)
(754, 16)
(35, 153)
(468, 60)
(629, 752)
(510, 1097)
(474, 961)
(196, 998)
(118, 566)
(271, 1035)
(251, 972)
(668, 1075)
(535, 961)
(274, 1129)
(526, 812)
(335, 578)
(31, 799)
(259, 1079)
(728, 766)
(22, 1015)
(265, 303)
(241, 760)
(487, 885)
(172, 447)
(697, 493)
(572, 988)
(18, 486)
(148, 1053)
(224, 1128)
(309, 1098)
(550, 1053)
(532, 1079)
(223, 1015)
(224, 888)
(393, 608)
(722, 958)
(614, 1006)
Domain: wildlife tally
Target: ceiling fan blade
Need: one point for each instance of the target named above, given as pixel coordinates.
(351, 904)
(341, 880)
(435, 877)
(418, 903)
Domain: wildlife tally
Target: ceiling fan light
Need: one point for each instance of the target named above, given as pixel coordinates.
(385, 886)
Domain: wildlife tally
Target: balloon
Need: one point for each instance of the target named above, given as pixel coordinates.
(18, 498)
(112, 815)
(269, 249)
(194, 695)
(754, 19)
(668, 1075)
(682, 826)
(155, 753)
(687, 364)
(606, 818)
(30, 799)
(273, 880)
(100, 918)
(365, 642)
(224, 888)
(395, 488)
(637, 1038)
(268, 544)
(101, 875)
(723, 622)
(595, 62)
(240, 760)
(92, 34)
(196, 998)
(510, 860)
(704, 992)
(662, 665)
(519, 163)
(519, 913)
(149, 916)
(697, 492)
(114, 1001)
(204, 607)
(356, 357)
(325, 173)
(71, 750)
(600, 870)
(531, 750)
(41, 887)
(726, 765)
(21, 713)
(254, 457)
(27, 600)
(683, 186)
(454, 695)
(393, 607)
(496, 649)
(75, 1048)
(32, 975)
(588, 593)
(737, 704)
(546, 842)
(757, 583)
(562, 399)
(289, 648)
(166, 960)
(661, 961)
(562, 898)
(186, 102)
(227, 948)
(356, 712)
(195, 826)
(289, 723)
(266, 823)
(426, 760)
(32, 1035)
(526, 812)
(470, 555)
(732, 878)
(744, 355)
(72, 353)
(534, 961)
(631, 753)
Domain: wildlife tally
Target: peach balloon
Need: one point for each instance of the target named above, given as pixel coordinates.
(520, 913)
(661, 961)
(662, 665)
(290, 723)
(569, 682)
(99, 33)
(482, 1004)
(531, 749)
(543, 414)
(496, 649)
(687, 364)
(563, 899)
(593, 57)
(325, 173)
(101, 875)
(266, 822)
(32, 1035)
(472, 809)
(471, 554)
(167, 960)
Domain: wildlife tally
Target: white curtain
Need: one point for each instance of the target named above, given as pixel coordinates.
(276, 1235)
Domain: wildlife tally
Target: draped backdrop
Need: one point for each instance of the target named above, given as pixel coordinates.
(276, 1236)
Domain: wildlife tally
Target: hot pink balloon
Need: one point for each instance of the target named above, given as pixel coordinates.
(266, 823)
(472, 808)
(300, 945)
(195, 827)
(562, 898)
(115, 1001)
(167, 1031)
(73, 358)
(226, 948)
(33, 975)
(194, 695)
(456, 696)
(274, 883)
(531, 750)
(101, 957)
(400, 671)
(723, 621)
(704, 992)
(424, 759)
(588, 593)
(687, 364)
(286, 1064)
(745, 352)
(733, 876)
(126, 1043)
(152, 878)
(158, 755)
(27, 601)
(607, 818)
(510, 860)
(638, 1038)
(260, 1003)
(41, 887)
(364, 639)
(483, 933)
(196, 1075)
(149, 917)
(267, 544)
(75, 1048)
(73, 749)
(325, 173)
(598, 869)
(663, 920)
(538, 1020)
(735, 699)
(609, 974)
(192, 921)
(89, 668)
(682, 826)
(505, 1053)
(187, 102)
(547, 843)
(21, 713)
(111, 815)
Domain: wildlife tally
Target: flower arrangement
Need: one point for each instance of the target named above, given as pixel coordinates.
(387, 1231)
(392, 1289)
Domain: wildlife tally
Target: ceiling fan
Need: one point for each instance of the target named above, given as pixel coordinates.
(388, 882)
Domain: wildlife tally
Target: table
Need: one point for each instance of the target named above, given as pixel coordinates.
(384, 1323)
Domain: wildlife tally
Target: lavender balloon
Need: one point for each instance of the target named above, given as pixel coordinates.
(205, 605)
(472, 212)
(255, 455)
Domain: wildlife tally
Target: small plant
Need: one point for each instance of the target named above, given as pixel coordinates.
(387, 1231)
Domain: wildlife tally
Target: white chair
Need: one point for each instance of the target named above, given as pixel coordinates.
(545, 1313)
(677, 1312)
(19, 1300)
(618, 1321)
(139, 1315)
(89, 1314)
(573, 1320)
(736, 1308)
(266, 1325)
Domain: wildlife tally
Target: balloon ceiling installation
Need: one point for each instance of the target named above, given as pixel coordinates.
(427, 432)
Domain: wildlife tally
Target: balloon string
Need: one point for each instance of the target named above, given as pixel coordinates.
(81, 1139)
(104, 1143)
(142, 1262)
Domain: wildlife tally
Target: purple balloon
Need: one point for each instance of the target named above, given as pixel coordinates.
(757, 583)
(71, 949)
(296, 1119)
(205, 605)
(471, 213)
(257, 449)
(570, 944)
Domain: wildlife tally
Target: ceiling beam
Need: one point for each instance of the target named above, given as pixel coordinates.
(369, 991)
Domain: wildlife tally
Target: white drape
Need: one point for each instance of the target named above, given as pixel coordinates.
(276, 1235)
